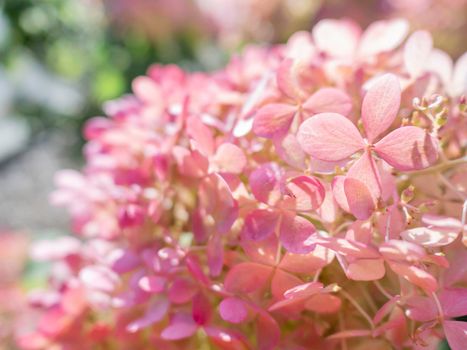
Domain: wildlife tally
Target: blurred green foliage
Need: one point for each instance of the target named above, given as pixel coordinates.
(73, 41)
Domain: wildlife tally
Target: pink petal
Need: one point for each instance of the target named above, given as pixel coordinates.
(323, 303)
(456, 334)
(415, 275)
(366, 270)
(201, 135)
(339, 193)
(305, 193)
(190, 163)
(365, 169)
(303, 291)
(337, 38)
(348, 247)
(416, 52)
(260, 223)
(329, 137)
(382, 36)
(361, 202)
(181, 326)
(147, 90)
(154, 313)
(328, 100)
(152, 284)
(182, 290)
(297, 295)
(297, 234)
(429, 237)
(454, 302)
(268, 331)
(230, 158)
(307, 263)
(281, 282)
(350, 334)
(408, 148)
(289, 150)
(233, 310)
(421, 309)
(261, 251)
(216, 198)
(288, 79)
(400, 250)
(247, 277)
(215, 253)
(225, 340)
(380, 105)
(385, 309)
(273, 120)
(264, 182)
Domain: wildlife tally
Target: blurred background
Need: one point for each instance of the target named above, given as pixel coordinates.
(61, 59)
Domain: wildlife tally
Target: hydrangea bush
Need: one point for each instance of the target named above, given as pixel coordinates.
(310, 195)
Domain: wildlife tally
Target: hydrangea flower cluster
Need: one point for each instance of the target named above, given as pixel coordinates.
(310, 195)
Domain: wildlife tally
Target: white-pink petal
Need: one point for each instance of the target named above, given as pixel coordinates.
(328, 100)
(417, 50)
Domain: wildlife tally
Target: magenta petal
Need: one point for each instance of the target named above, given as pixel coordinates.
(152, 284)
(273, 120)
(247, 277)
(328, 100)
(380, 105)
(233, 310)
(182, 290)
(155, 313)
(361, 202)
(408, 148)
(329, 137)
(181, 326)
(264, 182)
(456, 334)
(297, 234)
(201, 309)
(260, 223)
